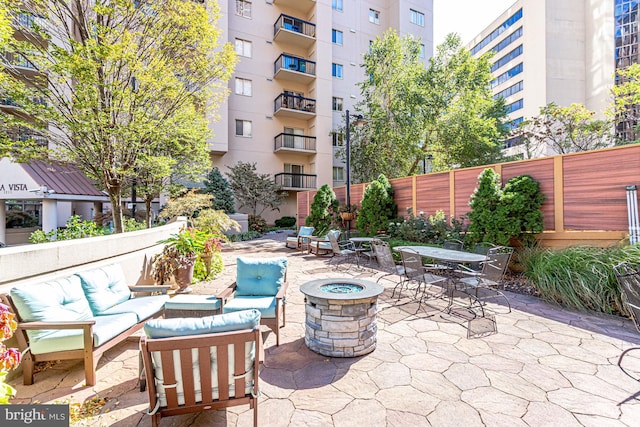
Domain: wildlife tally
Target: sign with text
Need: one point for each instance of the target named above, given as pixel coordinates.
(34, 415)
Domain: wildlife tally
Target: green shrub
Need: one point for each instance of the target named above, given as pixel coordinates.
(578, 277)
(257, 224)
(285, 222)
(432, 230)
(323, 210)
(75, 228)
(241, 237)
(377, 207)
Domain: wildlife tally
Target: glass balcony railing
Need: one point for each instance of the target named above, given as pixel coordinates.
(291, 141)
(296, 181)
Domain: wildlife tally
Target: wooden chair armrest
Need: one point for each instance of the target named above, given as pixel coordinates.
(282, 291)
(226, 292)
(163, 289)
(34, 326)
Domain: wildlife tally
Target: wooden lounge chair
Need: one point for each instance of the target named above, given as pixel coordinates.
(193, 371)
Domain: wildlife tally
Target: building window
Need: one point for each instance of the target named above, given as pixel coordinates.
(336, 5)
(336, 70)
(421, 53)
(510, 90)
(495, 33)
(416, 17)
(515, 106)
(505, 59)
(243, 47)
(336, 139)
(336, 105)
(507, 41)
(506, 75)
(243, 87)
(243, 128)
(336, 37)
(243, 8)
(338, 173)
(374, 16)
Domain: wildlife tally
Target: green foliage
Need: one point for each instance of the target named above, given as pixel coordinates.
(323, 210)
(285, 222)
(189, 205)
(257, 224)
(75, 228)
(433, 229)
(579, 277)
(219, 187)
(377, 207)
(214, 222)
(565, 130)
(127, 88)
(497, 214)
(241, 237)
(626, 99)
(254, 191)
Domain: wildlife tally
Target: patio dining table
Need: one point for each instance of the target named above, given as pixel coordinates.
(448, 255)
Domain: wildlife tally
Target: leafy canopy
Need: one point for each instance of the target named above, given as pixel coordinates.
(120, 85)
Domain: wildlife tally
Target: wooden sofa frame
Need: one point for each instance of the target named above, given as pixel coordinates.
(90, 354)
(185, 344)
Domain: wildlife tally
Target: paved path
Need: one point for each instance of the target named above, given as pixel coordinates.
(546, 366)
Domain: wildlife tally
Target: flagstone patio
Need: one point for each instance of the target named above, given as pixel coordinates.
(546, 365)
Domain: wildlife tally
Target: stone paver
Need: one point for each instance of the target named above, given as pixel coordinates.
(546, 365)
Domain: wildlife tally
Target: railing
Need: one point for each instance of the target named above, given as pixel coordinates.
(294, 24)
(17, 60)
(295, 102)
(296, 180)
(296, 142)
(294, 63)
(39, 100)
(28, 20)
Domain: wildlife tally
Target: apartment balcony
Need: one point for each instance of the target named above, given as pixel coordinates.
(27, 21)
(296, 181)
(293, 31)
(291, 143)
(294, 106)
(18, 62)
(302, 5)
(9, 103)
(294, 69)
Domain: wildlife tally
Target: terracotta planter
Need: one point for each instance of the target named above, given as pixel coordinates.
(348, 216)
(184, 276)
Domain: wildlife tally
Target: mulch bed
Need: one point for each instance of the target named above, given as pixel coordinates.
(518, 283)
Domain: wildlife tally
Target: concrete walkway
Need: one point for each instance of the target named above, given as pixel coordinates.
(546, 366)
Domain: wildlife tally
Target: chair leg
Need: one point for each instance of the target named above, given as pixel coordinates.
(28, 368)
(255, 412)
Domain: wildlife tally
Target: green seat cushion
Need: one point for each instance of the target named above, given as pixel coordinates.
(260, 276)
(54, 301)
(105, 329)
(104, 287)
(193, 302)
(177, 327)
(265, 305)
(142, 307)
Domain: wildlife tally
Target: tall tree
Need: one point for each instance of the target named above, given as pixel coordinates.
(445, 111)
(565, 130)
(625, 105)
(255, 191)
(123, 80)
(219, 187)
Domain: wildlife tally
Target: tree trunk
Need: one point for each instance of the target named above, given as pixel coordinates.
(116, 210)
(147, 205)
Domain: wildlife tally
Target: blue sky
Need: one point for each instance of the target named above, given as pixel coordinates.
(465, 17)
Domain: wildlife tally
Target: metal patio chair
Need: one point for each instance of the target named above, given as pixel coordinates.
(628, 278)
(415, 272)
(344, 251)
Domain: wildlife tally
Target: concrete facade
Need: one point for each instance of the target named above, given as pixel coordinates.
(567, 56)
(288, 50)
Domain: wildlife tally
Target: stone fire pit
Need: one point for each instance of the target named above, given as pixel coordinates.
(341, 316)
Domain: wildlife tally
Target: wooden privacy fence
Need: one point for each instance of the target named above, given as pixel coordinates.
(586, 200)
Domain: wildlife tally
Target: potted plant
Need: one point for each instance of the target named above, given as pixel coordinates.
(178, 258)
(211, 247)
(348, 213)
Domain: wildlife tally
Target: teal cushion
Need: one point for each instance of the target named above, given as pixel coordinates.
(265, 305)
(260, 276)
(106, 328)
(54, 301)
(142, 307)
(104, 287)
(305, 231)
(165, 328)
(193, 302)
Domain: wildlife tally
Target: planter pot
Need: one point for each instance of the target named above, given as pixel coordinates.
(348, 216)
(184, 276)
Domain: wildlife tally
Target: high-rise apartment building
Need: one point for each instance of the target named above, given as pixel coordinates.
(300, 62)
(551, 51)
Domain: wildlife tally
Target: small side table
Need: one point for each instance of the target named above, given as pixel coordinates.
(192, 306)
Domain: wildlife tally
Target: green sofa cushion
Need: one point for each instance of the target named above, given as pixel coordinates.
(54, 301)
(105, 329)
(104, 287)
(181, 326)
(265, 305)
(260, 276)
